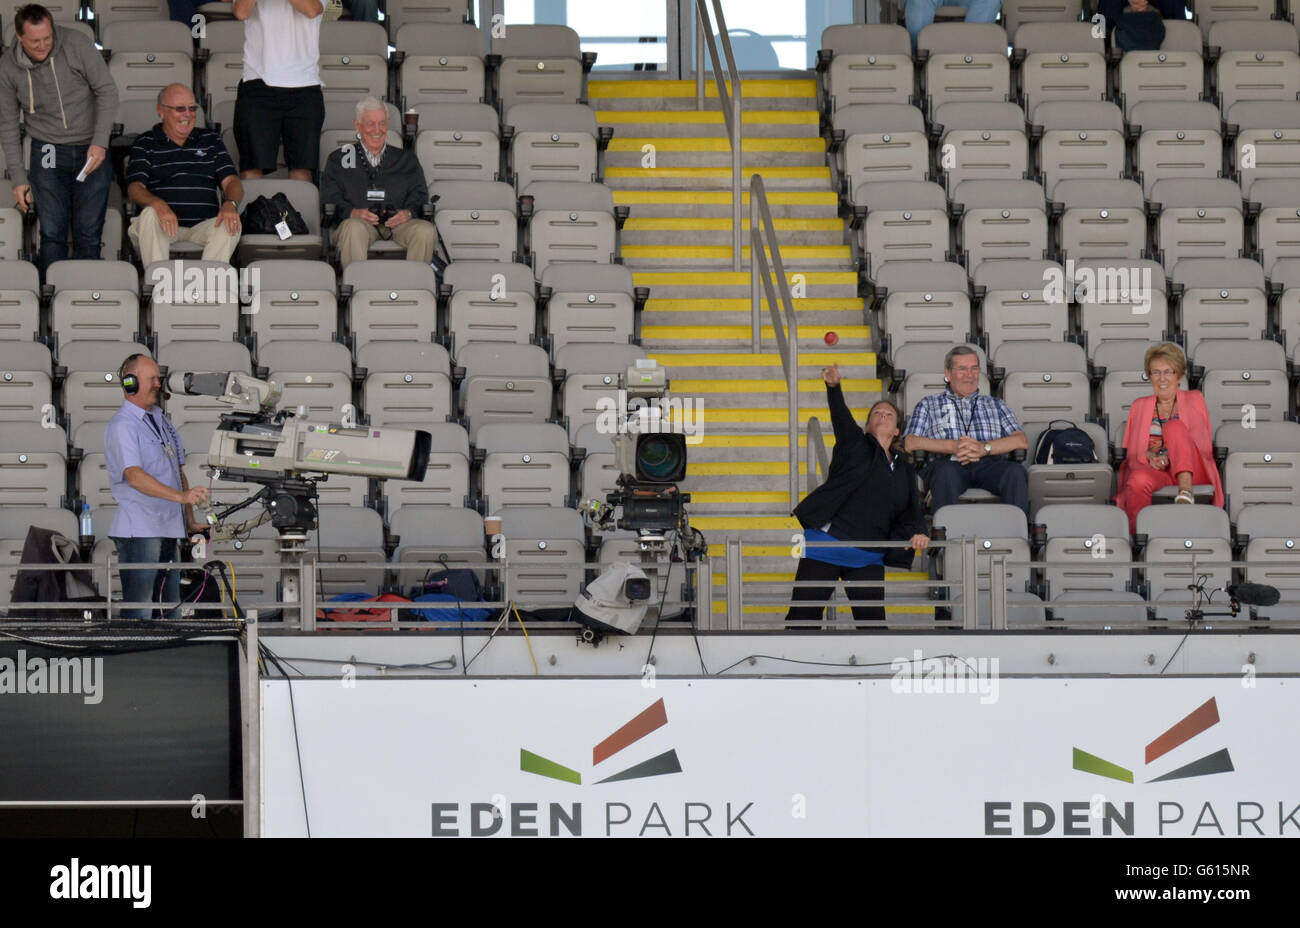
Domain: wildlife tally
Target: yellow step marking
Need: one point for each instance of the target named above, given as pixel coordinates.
(745, 359)
(693, 387)
(734, 278)
(718, 252)
(720, 224)
(743, 304)
(723, 197)
(813, 145)
(740, 468)
(769, 173)
(728, 496)
(710, 117)
(715, 523)
(714, 440)
(749, 89)
(744, 332)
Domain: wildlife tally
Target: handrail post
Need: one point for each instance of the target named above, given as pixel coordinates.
(755, 284)
(998, 593)
(704, 593)
(970, 594)
(252, 730)
(735, 586)
(736, 168)
(699, 57)
(307, 592)
(792, 397)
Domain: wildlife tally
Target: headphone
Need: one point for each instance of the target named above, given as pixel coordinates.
(130, 382)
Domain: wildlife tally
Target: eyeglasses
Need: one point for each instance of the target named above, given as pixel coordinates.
(1161, 375)
(966, 370)
(192, 108)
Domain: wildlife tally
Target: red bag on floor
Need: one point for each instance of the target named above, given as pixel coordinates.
(362, 615)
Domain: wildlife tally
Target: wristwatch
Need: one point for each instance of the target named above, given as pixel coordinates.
(988, 449)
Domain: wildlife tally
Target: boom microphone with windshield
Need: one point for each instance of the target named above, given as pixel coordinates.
(1253, 594)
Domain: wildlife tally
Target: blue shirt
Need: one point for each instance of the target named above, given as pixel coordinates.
(946, 416)
(841, 557)
(186, 176)
(130, 440)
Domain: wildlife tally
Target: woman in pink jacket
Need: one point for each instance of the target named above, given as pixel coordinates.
(1168, 440)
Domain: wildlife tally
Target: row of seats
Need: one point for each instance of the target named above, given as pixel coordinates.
(1086, 578)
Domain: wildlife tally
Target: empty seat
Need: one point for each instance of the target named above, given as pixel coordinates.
(588, 305)
(964, 61)
(437, 537)
(224, 68)
(441, 63)
(491, 303)
(1277, 226)
(94, 301)
(925, 302)
(1286, 274)
(865, 63)
(524, 464)
(1221, 298)
(1173, 73)
(904, 221)
(1099, 219)
(1254, 477)
(33, 466)
(1211, 12)
(1179, 139)
(1273, 555)
(1000, 219)
(20, 304)
(1198, 219)
(981, 141)
(353, 60)
(195, 301)
(1016, 305)
(551, 142)
(148, 56)
(446, 479)
(998, 530)
(477, 221)
(296, 301)
(1121, 305)
(108, 12)
(1084, 544)
(883, 142)
(314, 375)
(591, 382)
(1079, 140)
(1045, 381)
(1219, 353)
(545, 551)
(1107, 609)
(1257, 61)
(395, 301)
(1177, 536)
(347, 540)
(458, 141)
(407, 385)
(1017, 12)
(1060, 61)
(539, 64)
(305, 198)
(1266, 145)
(1232, 394)
(504, 383)
(92, 391)
(571, 223)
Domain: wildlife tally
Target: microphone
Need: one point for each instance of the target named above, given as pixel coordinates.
(1254, 594)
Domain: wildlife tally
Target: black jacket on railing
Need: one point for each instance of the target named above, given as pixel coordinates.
(863, 499)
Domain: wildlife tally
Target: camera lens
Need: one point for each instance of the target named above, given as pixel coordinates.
(636, 589)
(661, 457)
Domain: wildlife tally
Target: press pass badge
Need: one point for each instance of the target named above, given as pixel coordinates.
(282, 230)
(375, 196)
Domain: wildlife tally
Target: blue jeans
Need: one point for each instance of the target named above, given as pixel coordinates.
(62, 202)
(947, 480)
(920, 13)
(148, 584)
(364, 11)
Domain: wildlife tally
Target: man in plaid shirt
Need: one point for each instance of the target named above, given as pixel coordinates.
(969, 437)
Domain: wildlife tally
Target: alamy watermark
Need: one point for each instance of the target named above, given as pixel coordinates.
(35, 676)
(947, 675)
(624, 415)
(179, 283)
(1103, 283)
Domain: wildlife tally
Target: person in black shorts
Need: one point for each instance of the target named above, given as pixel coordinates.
(279, 100)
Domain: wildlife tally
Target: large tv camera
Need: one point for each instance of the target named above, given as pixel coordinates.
(287, 455)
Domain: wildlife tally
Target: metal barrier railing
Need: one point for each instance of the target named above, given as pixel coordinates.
(817, 463)
(730, 103)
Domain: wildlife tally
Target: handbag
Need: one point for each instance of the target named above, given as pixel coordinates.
(263, 214)
(1136, 32)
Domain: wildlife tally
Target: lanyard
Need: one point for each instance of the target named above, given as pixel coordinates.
(970, 420)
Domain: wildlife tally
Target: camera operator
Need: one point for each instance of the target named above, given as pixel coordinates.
(376, 188)
(144, 456)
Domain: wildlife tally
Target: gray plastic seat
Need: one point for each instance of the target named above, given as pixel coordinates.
(1085, 483)
(20, 287)
(305, 198)
(868, 63)
(1260, 436)
(1179, 139)
(458, 141)
(224, 69)
(407, 385)
(539, 64)
(180, 357)
(1273, 555)
(1286, 273)
(1173, 73)
(1100, 219)
(443, 63)
(545, 548)
(571, 223)
(1175, 536)
(436, 537)
(1222, 298)
(494, 312)
(1232, 394)
(446, 480)
(904, 221)
(444, 12)
(552, 142)
(883, 143)
(92, 391)
(1257, 61)
(1081, 139)
(612, 359)
(1062, 61)
(477, 221)
(148, 56)
(588, 305)
(314, 375)
(504, 383)
(525, 464)
(1105, 609)
(964, 61)
(982, 141)
(296, 301)
(1016, 305)
(998, 530)
(1198, 218)
(94, 301)
(1001, 219)
(207, 311)
(1257, 477)
(353, 60)
(395, 301)
(350, 536)
(1268, 137)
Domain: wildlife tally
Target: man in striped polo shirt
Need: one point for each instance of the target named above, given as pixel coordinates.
(185, 184)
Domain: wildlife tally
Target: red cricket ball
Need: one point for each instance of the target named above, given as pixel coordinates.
(832, 338)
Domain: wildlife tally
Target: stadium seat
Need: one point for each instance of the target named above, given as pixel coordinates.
(353, 60)
(1000, 219)
(33, 466)
(13, 535)
(1175, 536)
(1212, 12)
(539, 543)
(221, 50)
(477, 221)
(1060, 61)
(1277, 202)
(1175, 72)
(591, 378)
(571, 223)
(524, 464)
(865, 63)
(1255, 477)
(205, 311)
(108, 12)
(1089, 610)
(393, 301)
(315, 375)
(1086, 544)
(1273, 555)
(441, 63)
(436, 537)
(504, 383)
(883, 143)
(305, 198)
(1257, 61)
(1286, 274)
(599, 472)
(1122, 305)
(1178, 139)
(539, 64)
(1055, 12)
(481, 311)
(1197, 219)
(20, 302)
(902, 221)
(458, 141)
(296, 300)
(1099, 219)
(1015, 305)
(1051, 484)
(998, 530)
(1265, 137)
(145, 57)
(552, 142)
(588, 305)
(1080, 139)
(407, 385)
(446, 480)
(180, 357)
(964, 61)
(350, 536)
(926, 301)
(1044, 381)
(981, 141)
(94, 301)
(1233, 394)
(1220, 298)
(92, 391)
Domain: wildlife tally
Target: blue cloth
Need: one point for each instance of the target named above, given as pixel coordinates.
(64, 203)
(841, 557)
(130, 441)
(187, 177)
(920, 13)
(143, 585)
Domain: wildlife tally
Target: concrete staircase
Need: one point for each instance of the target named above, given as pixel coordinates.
(671, 165)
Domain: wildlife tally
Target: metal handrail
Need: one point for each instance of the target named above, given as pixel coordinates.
(730, 103)
(762, 231)
(815, 448)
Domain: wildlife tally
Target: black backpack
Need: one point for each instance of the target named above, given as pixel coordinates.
(1069, 445)
(261, 216)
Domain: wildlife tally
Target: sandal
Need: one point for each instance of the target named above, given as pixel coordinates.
(1184, 496)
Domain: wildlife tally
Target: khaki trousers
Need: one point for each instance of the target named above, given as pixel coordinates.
(147, 236)
(356, 236)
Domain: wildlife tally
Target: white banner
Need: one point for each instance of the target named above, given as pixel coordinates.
(792, 757)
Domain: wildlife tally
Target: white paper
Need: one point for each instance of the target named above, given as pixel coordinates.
(85, 170)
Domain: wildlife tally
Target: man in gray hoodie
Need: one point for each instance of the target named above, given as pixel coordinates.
(61, 85)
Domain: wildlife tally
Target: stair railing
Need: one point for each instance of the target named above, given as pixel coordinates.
(817, 461)
(730, 103)
(762, 237)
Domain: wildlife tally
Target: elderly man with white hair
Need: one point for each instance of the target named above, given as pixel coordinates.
(376, 189)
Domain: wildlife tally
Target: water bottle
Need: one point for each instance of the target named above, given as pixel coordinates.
(87, 528)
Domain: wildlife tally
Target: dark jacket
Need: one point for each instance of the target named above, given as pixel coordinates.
(862, 498)
(46, 546)
(399, 175)
(1114, 9)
